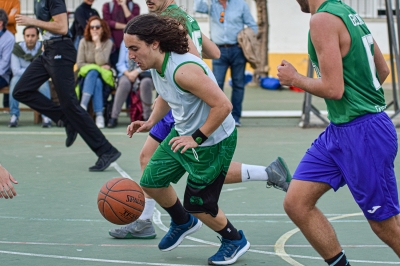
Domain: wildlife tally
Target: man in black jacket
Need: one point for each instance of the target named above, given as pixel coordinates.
(57, 62)
(82, 15)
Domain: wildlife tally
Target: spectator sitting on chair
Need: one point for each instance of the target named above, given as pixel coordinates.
(228, 18)
(94, 49)
(81, 17)
(130, 77)
(117, 13)
(12, 8)
(22, 55)
(6, 46)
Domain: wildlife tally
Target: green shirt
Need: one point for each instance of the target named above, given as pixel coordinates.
(191, 24)
(363, 92)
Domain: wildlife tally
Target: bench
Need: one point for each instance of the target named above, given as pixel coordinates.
(36, 116)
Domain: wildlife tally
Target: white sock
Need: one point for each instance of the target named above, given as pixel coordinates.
(253, 173)
(148, 209)
(85, 100)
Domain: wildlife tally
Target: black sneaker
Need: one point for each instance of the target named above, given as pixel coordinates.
(71, 134)
(105, 160)
(112, 122)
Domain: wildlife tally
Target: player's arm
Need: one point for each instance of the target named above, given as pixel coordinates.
(324, 30)
(210, 49)
(192, 47)
(191, 77)
(160, 109)
(58, 25)
(380, 63)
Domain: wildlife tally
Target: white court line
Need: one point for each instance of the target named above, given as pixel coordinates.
(120, 170)
(280, 246)
(91, 259)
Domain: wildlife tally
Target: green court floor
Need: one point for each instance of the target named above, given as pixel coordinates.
(54, 220)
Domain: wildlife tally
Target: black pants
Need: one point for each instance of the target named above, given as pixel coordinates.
(57, 62)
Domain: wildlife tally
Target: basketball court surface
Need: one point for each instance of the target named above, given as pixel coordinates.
(54, 220)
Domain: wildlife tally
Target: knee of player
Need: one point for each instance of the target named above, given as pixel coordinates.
(144, 159)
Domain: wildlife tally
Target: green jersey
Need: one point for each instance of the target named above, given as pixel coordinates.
(363, 92)
(191, 24)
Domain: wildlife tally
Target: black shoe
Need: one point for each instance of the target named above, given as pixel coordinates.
(105, 160)
(71, 135)
(112, 122)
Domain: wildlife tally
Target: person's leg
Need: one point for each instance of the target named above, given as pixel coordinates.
(388, 231)
(62, 75)
(26, 90)
(123, 90)
(14, 104)
(237, 64)
(300, 205)
(146, 96)
(98, 103)
(89, 87)
(220, 67)
(45, 90)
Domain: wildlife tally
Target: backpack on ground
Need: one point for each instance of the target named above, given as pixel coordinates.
(136, 109)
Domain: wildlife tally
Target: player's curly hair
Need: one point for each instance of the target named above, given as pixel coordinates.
(171, 33)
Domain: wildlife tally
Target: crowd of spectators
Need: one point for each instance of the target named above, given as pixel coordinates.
(97, 41)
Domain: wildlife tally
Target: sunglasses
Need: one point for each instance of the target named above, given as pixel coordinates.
(97, 27)
(222, 15)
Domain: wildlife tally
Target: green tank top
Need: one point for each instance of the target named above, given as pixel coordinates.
(363, 92)
(191, 24)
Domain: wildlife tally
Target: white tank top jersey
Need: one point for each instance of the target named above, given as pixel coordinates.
(189, 111)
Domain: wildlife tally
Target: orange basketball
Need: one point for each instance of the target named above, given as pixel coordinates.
(121, 200)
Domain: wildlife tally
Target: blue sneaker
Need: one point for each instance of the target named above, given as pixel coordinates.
(177, 233)
(230, 251)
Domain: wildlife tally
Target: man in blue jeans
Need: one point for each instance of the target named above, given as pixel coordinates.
(22, 56)
(228, 18)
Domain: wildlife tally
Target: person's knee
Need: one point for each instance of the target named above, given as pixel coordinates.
(144, 158)
(295, 208)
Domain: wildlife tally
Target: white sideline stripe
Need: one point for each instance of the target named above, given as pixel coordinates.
(233, 189)
(154, 245)
(120, 170)
(91, 259)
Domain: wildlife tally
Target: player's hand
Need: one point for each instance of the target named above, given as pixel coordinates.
(286, 73)
(6, 184)
(132, 76)
(23, 20)
(137, 127)
(182, 142)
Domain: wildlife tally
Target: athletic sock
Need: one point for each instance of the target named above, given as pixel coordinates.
(178, 214)
(148, 209)
(339, 260)
(253, 173)
(230, 232)
(99, 113)
(85, 100)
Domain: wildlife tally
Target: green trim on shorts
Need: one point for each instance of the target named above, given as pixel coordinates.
(203, 165)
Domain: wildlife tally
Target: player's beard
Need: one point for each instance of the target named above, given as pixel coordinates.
(304, 6)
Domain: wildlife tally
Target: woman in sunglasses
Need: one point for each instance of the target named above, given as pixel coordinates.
(93, 65)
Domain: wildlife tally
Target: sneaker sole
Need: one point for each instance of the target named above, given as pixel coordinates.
(234, 259)
(188, 232)
(130, 236)
(113, 159)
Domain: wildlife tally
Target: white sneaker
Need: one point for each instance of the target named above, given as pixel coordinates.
(100, 121)
(46, 122)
